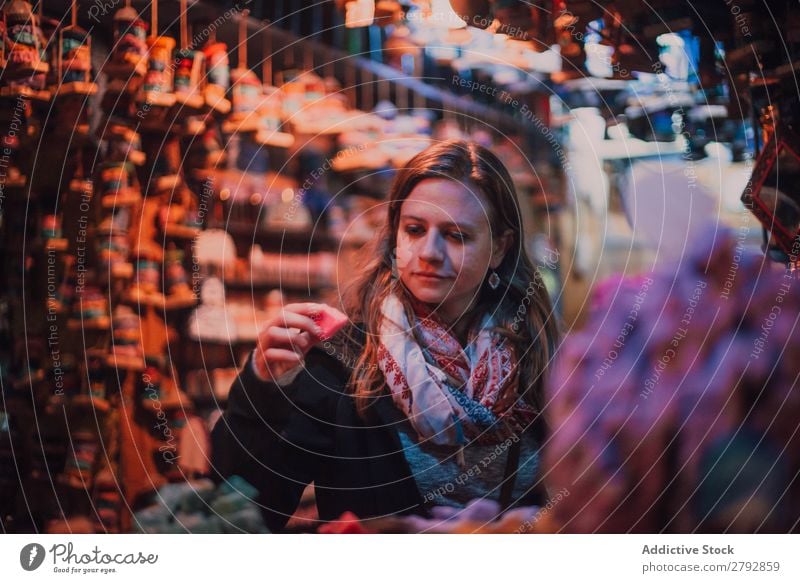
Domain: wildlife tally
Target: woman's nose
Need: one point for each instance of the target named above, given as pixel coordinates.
(432, 247)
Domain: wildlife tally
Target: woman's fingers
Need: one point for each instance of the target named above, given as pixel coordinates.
(283, 356)
(283, 337)
(290, 319)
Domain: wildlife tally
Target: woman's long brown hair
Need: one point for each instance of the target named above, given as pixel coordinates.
(520, 304)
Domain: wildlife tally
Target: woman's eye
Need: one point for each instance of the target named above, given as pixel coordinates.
(457, 236)
(414, 230)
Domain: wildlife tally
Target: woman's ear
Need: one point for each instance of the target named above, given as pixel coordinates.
(500, 246)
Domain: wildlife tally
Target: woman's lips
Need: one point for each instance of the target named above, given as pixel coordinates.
(431, 276)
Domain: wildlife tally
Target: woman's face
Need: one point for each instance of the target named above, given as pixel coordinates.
(445, 245)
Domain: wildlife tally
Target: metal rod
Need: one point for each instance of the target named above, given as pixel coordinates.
(243, 39)
(184, 31)
(266, 65)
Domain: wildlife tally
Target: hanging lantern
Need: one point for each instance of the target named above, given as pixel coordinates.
(74, 60)
(189, 73)
(158, 81)
(129, 55)
(270, 126)
(246, 89)
(246, 96)
(22, 40)
(218, 77)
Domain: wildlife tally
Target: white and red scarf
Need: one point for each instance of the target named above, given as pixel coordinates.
(451, 395)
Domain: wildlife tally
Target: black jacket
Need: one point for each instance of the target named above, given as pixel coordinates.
(281, 439)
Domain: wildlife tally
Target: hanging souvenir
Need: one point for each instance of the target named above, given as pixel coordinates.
(22, 39)
(270, 110)
(188, 73)
(73, 66)
(25, 68)
(158, 81)
(270, 120)
(246, 90)
(127, 64)
(218, 77)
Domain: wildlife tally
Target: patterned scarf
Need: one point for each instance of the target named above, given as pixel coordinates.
(451, 394)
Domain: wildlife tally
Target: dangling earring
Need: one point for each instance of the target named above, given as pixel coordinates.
(494, 280)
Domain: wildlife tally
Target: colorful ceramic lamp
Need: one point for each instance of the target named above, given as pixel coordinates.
(188, 73)
(22, 38)
(128, 60)
(246, 90)
(73, 67)
(158, 82)
(218, 76)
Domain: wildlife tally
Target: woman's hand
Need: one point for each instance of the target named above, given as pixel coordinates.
(285, 339)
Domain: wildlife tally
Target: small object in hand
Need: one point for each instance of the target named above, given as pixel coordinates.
(330, 321)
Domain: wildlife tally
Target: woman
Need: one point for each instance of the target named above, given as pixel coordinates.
(431, 395)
